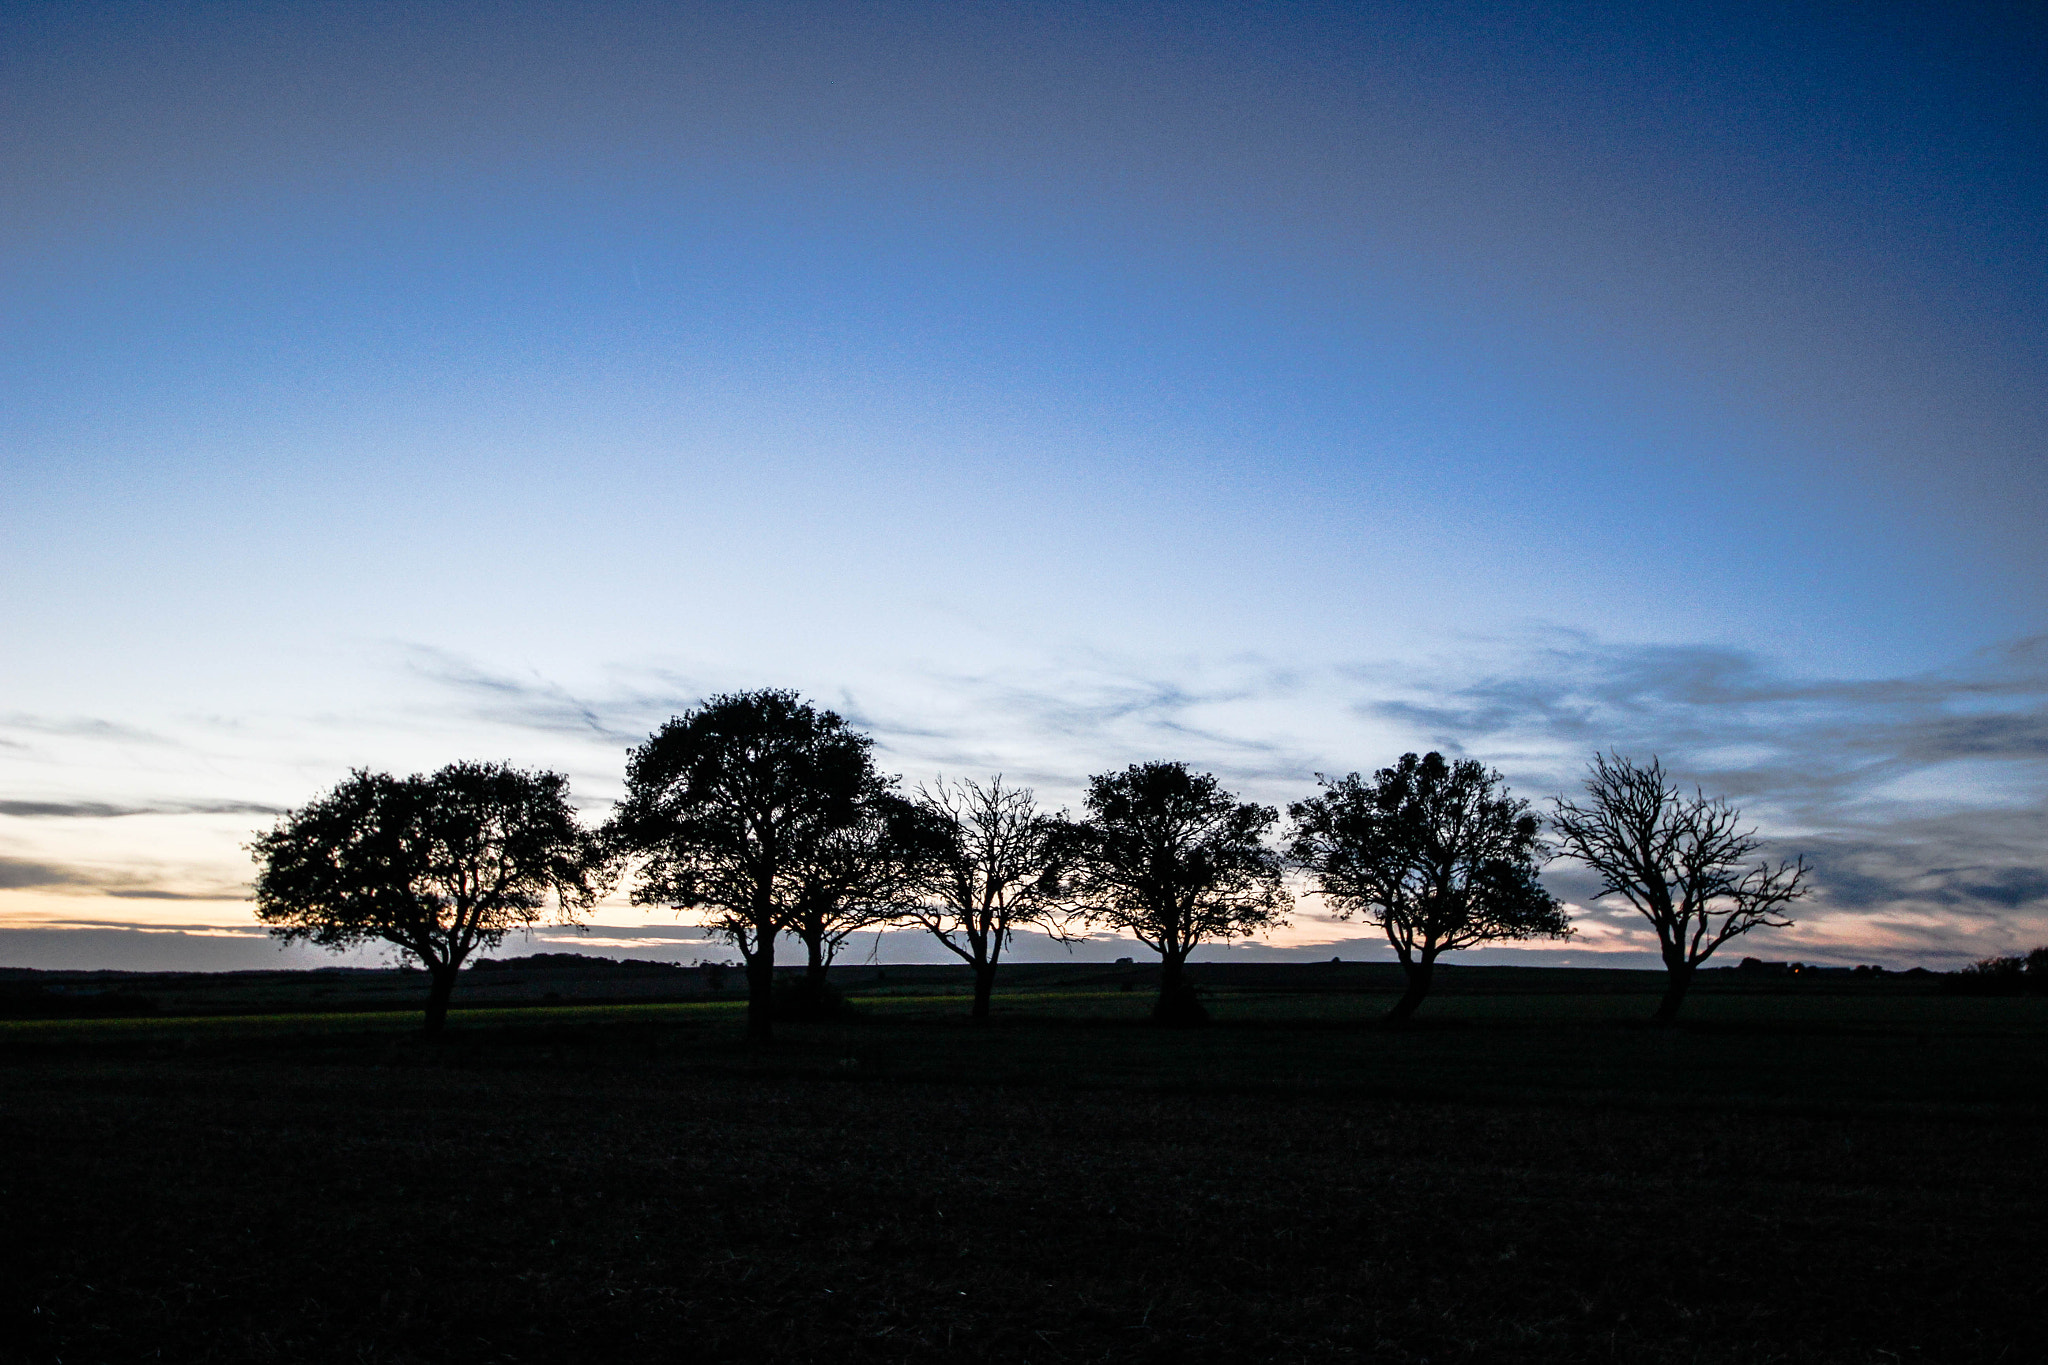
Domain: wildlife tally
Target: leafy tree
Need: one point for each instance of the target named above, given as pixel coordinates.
(1437, 854)
(1681, 862)
(989, 869)
(438, 866)
(731, 806)
(1170, 858)
(858, 876)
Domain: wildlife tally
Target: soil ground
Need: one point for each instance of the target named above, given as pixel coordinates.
(1526, 1174)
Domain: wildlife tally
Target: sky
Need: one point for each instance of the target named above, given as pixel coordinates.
(1277, 388)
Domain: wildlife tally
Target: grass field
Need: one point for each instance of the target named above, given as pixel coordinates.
(1529, 1174)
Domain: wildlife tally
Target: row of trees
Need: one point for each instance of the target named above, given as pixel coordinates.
(766, 816)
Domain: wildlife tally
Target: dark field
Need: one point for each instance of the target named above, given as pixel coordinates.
(1848, 1173)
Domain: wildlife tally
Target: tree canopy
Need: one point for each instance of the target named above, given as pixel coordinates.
(438, 865)
(1435, 853)
(861, 875)
(730, 809)
(1170, 858)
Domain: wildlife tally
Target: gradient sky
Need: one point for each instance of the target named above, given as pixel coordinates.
(1276, 387)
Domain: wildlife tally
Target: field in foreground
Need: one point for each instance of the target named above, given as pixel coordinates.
(1527, 1176)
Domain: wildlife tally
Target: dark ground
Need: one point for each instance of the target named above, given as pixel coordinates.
(1843, 1175)
(555, 978)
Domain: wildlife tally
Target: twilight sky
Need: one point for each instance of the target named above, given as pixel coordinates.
(1276, 387)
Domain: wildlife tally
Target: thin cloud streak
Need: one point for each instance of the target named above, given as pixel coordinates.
(536, 703)
(77, 727)
(25, 874)
(102, 810)
(18, 874)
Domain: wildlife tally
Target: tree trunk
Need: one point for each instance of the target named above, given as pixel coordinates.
(1419, 974)
(761, 991)
(440, 985)
(1177, 1003)
(984, 986)
(814, 969)
(1674, 994)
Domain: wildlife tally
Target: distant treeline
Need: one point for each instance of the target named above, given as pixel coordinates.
(762, 815)
(554, 962)
(2019, 974)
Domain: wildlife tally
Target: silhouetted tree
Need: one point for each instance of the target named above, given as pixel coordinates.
(1681, 862)
(1170, 858)
(728, 807)
(1437, 854)
(438, 866)
(857, 876)
(988, 870)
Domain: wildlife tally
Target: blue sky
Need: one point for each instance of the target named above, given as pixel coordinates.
(1275, 387)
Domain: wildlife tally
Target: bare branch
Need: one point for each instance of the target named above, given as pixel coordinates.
(1681, 862)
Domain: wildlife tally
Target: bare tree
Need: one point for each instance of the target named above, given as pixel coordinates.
(1437, 854)
(437, 866)
(988, 872)
(1681, 862)
(1170, 858)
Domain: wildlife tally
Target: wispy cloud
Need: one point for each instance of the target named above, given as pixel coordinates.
(243, 931)
(534, 702)
(1068, 718)
(24, 874)
(1727, 714)
(19, 874)
(102, 810)
(78, 727)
